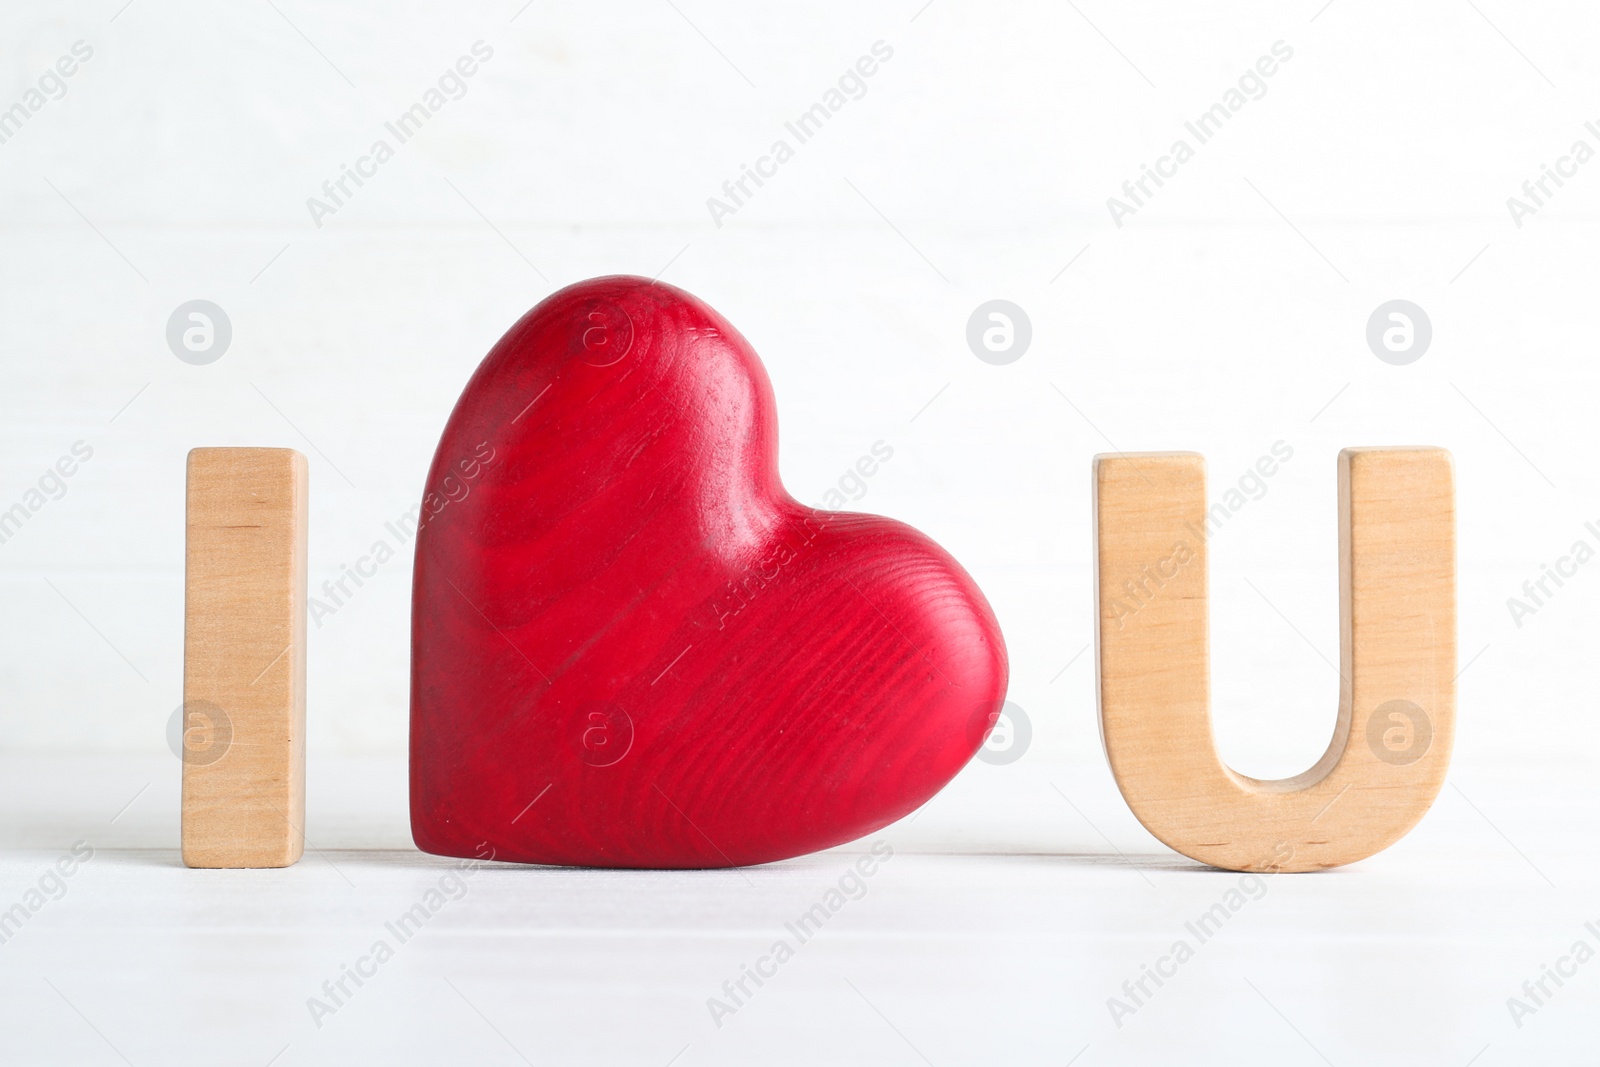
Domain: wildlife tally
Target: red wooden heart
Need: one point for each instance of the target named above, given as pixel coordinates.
(632, 648)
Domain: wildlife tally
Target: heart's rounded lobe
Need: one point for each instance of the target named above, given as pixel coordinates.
(632, 648)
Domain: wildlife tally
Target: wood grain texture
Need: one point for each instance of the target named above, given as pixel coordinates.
(1391, 744)
(633, 648)
(244, 665)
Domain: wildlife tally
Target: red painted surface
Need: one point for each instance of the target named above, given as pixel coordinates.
(632, 648)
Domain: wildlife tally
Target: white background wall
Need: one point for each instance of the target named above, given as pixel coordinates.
(1227, 314)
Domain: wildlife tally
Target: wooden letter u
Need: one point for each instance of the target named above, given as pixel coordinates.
(1397, 609)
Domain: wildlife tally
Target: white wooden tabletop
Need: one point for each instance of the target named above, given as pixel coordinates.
(1002, 929)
